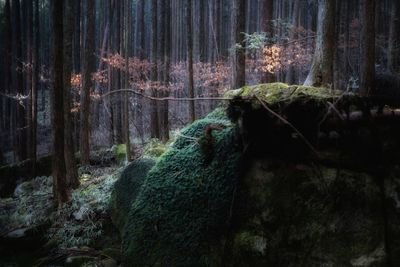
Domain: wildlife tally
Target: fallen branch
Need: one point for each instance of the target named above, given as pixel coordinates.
(166, 98)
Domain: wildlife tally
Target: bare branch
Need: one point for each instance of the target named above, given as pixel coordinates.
(167, 98)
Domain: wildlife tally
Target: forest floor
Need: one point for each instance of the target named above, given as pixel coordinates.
(34, 232)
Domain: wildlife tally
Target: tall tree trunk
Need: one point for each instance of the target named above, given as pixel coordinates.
(77, 36)
(321, 73)
(127, 30)
(8, 62)
(240, 28)
(60, 187)
(189, 42)
(142, 56)
(367, 46)
(164, 107)
(154, 125)
(89, 67)
(290, 74)
(35, 84)
(18, 81)
(29, 76)
(69, 153)
(394, 40)
(267, 27)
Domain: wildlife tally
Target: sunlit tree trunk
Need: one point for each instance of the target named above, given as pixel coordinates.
(321, 73)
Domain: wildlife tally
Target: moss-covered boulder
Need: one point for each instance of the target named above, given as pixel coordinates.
(127, 188)
(183, 209)
(296, 214)
(261, 190)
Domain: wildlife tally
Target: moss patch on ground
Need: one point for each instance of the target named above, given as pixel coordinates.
(184, 203)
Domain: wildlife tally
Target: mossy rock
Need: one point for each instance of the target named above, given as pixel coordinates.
(126, 189)
(291, 214)
(184, 205)
(273, 93)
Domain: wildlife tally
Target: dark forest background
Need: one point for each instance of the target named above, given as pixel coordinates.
(179, 50)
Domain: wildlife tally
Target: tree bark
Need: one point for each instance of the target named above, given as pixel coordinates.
(189, 41)
(69, 153)
(240, 28)
(89, 67)
(60, 189)
(267, 27)
(18, 82)
(393, 54)
(321, 73)
(367, 46)
(8, 62)
(127, 30)
(154, 125)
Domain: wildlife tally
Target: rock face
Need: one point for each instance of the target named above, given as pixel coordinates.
(296, 214)
(285, 185)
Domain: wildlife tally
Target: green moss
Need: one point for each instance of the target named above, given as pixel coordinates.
(126, 189)
(120, 154)
(217, 114)
(183, 205)
(154, 148)
(273, 93)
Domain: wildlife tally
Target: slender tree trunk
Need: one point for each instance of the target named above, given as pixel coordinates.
(290, 75)
(240, 28)
(35, 84)
(267, 27)
(367, 46)
(29, 76)
(154, 125)
(7, 67)
(394, 43)
(127, 30)
(20, 117)
(8, 62)
(89, 67)
(142, 56)
(69, 153)
(77, 36)
(321, 73)
(189, 41)
(60, 186)
(164, 107)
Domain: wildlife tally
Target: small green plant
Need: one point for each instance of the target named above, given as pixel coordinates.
(120, 154)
